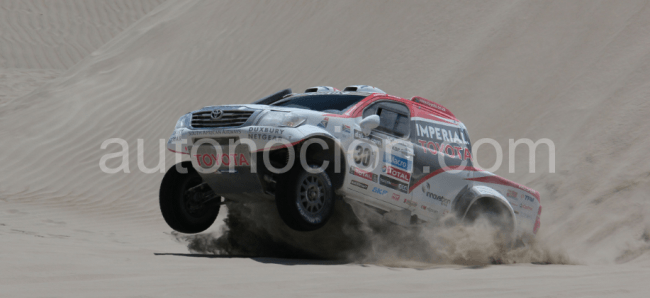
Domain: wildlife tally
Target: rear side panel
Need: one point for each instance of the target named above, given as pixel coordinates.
(443, 172)
(442, 162)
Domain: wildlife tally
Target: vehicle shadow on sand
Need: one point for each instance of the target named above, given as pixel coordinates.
(264, 260)
(294, 262)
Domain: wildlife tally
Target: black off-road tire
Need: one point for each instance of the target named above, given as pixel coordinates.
(304, 200)
(174, 204)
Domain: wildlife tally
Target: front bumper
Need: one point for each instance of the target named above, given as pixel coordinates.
(227, 159)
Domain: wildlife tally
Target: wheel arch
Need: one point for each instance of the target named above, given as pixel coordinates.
(468, 197)
(317, 154)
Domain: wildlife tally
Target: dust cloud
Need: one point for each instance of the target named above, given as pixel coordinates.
(358, 234)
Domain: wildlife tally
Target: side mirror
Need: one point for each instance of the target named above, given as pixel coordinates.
(369, 123)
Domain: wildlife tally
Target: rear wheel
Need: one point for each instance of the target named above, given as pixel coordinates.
(496, 214)
(305, 200)
(187, 204)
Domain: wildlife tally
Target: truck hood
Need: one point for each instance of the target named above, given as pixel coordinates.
(298, 111)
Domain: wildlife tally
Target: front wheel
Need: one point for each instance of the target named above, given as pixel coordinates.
(305, 200)
(188, 205)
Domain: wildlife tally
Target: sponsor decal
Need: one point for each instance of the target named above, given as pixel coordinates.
(345, 128)
(431, 210)
(529, 198)
(209, 160)
(426, 188)
(395, 197)
(401, 149)
(397, 173)
(265, 133)
(363, 174)
(213, 132)
(268, 130)
(410, 203)
(435, 148)
(527, 189)
(324, 123)
(442, 134)
(444, 202)
(512, 194)
(393, 184)
(525, 207)
(398, 162)
(371, 138)
(261, 136)
(359, 184)
(379, 191)
(429, 103)
(524, 215)
(443, 140)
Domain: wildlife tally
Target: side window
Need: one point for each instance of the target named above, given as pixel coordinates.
(394, 117)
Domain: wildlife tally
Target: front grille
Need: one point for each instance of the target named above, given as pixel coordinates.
(229, 118)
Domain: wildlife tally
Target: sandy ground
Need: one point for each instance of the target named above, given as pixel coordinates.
(75, 73)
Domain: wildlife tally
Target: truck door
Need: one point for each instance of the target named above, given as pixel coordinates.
(393, 159)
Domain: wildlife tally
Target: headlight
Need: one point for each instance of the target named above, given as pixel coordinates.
(184, 121)
(281, 119)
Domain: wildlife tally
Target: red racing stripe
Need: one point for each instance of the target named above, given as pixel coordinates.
(177, 151)
(438, 171)
(503, 181)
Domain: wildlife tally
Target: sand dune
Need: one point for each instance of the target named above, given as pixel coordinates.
(57, 34)
(574, 72)
(18, 82)
(41, 39)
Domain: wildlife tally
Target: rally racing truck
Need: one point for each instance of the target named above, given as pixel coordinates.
(409, 159)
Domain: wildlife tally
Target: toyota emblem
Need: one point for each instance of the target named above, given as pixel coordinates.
(216, 114)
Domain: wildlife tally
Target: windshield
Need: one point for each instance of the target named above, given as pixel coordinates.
(330, 103)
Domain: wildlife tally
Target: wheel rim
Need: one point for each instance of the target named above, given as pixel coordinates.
(312, 195)
(192, 203)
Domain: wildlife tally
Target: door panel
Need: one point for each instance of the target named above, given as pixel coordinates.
(395, 159)
(396, 171)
